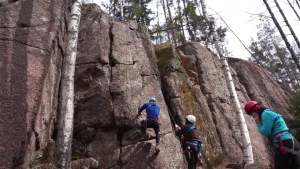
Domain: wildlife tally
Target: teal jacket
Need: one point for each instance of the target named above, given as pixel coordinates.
(273, 123)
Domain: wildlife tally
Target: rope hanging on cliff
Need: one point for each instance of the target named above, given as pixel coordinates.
(127, 26)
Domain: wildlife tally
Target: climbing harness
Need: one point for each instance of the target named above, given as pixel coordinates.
(144, 121)
(284, 149)
(199, 144)
(280, 145)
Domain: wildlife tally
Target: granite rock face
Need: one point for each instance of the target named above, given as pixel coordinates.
(117, 71)
(32, 43)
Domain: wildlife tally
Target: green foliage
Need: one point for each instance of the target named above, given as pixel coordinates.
(164, 55)
(132, 10)
(294, 108)
(138, 10)
(269, 52)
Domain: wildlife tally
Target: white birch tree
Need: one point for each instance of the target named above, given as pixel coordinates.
(66, 104)
(122, 15)
(247, 146)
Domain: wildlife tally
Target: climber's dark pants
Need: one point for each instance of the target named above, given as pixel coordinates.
(288, 160)
(152, 123)
(191, 153)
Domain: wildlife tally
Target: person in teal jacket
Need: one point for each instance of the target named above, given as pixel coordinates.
(272, 125)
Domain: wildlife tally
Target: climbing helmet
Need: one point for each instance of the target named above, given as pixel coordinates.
(191, 118)
(251, 106)
(152, 99)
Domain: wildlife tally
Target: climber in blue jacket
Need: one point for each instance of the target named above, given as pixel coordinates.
(152, 121)
(272, 125)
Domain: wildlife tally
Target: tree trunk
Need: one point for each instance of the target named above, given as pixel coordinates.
(181, 24)
(188, 24)
(288, 25)
(198, 6)
(172, 24)
(157, 15)
(164, 7)
(66, 104)
(294, 10)
(297, 3)
(207, 19)
(283, 35)
(247, 146)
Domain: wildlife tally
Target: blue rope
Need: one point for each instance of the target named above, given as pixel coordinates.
(150, 74)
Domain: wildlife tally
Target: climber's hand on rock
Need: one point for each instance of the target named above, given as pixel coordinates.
(177, 127)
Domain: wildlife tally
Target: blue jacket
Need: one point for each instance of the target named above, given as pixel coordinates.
(273, 123)
(152, 110)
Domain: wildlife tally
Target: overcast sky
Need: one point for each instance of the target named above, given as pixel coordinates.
(236, 14)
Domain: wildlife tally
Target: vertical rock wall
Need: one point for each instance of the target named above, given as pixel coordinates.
(117, 71)
(31, 47)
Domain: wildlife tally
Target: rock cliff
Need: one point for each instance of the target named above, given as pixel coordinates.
(117, 71)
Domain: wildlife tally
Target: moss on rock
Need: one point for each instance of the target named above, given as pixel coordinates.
(48, 154)
(164, 54)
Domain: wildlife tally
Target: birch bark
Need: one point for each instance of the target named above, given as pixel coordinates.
(247, 146)
(66, 104)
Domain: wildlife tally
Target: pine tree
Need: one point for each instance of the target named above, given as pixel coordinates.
(178, 21)
(271, 54)
(186, 13)
(138, 10)
(283, 35)
(171, 23)
(287, 24)
(166, 19)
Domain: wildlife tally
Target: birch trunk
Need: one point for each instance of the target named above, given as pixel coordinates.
(66, 111)
(122, 17)
(247, 146)
(283, 36)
